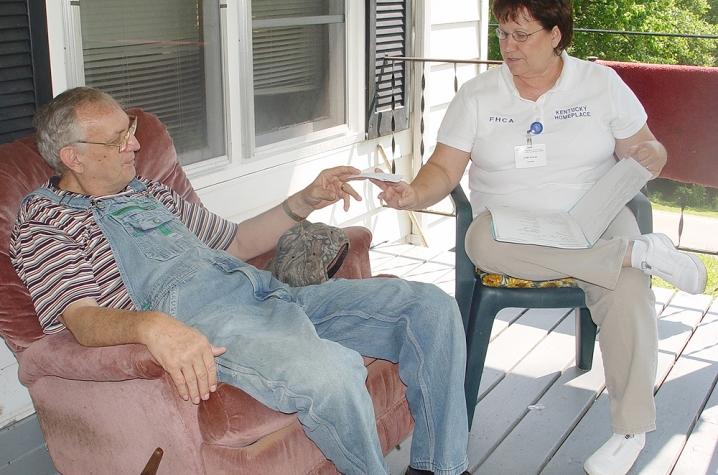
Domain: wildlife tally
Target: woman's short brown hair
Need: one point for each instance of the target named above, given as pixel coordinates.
(549, 13)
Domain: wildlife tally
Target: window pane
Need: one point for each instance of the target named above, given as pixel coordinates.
(263, 9)
(163, 56)
(299, 61)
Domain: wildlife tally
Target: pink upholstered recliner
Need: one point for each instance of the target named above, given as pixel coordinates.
(105, 410)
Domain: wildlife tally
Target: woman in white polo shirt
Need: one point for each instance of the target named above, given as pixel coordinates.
(580, 118)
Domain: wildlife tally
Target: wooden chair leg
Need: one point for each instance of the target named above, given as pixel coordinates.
(153, 463)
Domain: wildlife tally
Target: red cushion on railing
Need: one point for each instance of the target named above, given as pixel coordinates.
(681, 102)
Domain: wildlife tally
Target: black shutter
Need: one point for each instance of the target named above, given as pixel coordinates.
(24, 66)
(388, 25)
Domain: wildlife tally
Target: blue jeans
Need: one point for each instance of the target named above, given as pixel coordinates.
(299, 349)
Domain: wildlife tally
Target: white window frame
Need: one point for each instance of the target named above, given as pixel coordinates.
(242, 157)
(75, 65)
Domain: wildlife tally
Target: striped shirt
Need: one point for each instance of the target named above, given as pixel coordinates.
(61, 254)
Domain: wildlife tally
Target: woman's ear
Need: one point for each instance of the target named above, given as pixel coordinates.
(556, 36)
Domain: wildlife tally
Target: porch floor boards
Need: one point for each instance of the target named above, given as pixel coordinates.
(538, 414)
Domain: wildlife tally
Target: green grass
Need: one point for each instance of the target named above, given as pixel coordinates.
(675, 209)
(711, 263)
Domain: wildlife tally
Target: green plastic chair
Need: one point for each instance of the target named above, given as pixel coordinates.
(479, 304)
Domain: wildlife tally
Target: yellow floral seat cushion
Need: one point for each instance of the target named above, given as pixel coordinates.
(501, 280)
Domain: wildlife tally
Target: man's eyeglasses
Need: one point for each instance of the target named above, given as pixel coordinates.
(518, 36)
(124, 142)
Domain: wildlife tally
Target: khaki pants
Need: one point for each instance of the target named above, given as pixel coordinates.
(619, 298)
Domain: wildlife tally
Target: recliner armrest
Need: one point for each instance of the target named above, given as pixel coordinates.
(232, 418)
(60, 355)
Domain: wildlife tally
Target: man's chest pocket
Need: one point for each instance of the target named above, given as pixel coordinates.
(156, 232)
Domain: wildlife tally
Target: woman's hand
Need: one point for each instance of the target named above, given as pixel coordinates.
(643, 148)
(435, 180)
(399, 195)
(650, 154)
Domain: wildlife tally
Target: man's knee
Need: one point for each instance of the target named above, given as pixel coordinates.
(340, 370)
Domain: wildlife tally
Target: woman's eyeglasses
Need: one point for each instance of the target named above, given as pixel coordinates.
(518, 36)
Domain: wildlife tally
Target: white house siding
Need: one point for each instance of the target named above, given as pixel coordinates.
(247, 195)
(455, 29)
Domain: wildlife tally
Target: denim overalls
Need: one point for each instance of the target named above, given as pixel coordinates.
(298, 349)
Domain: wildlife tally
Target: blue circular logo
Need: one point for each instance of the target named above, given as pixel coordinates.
(536, 128)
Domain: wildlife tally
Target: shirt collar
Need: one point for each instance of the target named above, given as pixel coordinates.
(563, 82)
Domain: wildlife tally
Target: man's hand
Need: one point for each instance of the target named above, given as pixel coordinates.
(650, 154)
(329, 187)
(186, 355)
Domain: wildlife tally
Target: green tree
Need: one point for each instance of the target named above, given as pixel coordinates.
(663, 16)
(660, 16)
(713, 15)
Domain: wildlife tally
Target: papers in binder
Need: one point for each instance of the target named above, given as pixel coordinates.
(584, 223)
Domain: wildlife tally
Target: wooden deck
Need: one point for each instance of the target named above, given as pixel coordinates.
(538, 414)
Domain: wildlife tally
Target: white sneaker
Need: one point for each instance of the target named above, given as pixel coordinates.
(617, 456)
(683, 270)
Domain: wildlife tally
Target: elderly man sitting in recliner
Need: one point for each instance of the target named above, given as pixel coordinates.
(118, 259)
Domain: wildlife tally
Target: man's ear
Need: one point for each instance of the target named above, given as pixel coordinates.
(69, 158)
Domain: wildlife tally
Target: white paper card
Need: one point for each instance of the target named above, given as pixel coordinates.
(580, 227)
(377, 176)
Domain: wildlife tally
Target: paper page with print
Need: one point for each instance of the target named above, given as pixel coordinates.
(580, 227)
(599, 205)
(520, 226)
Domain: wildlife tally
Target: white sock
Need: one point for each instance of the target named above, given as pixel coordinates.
(638, 253)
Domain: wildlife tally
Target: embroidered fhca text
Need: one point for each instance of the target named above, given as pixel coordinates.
(501, 120)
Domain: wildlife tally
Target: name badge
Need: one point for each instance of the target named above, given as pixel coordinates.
(530, 156)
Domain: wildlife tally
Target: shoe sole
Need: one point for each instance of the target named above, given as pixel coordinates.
(702, 270)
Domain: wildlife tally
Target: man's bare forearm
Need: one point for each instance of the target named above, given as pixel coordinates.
(93, 325)
(260, 233)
